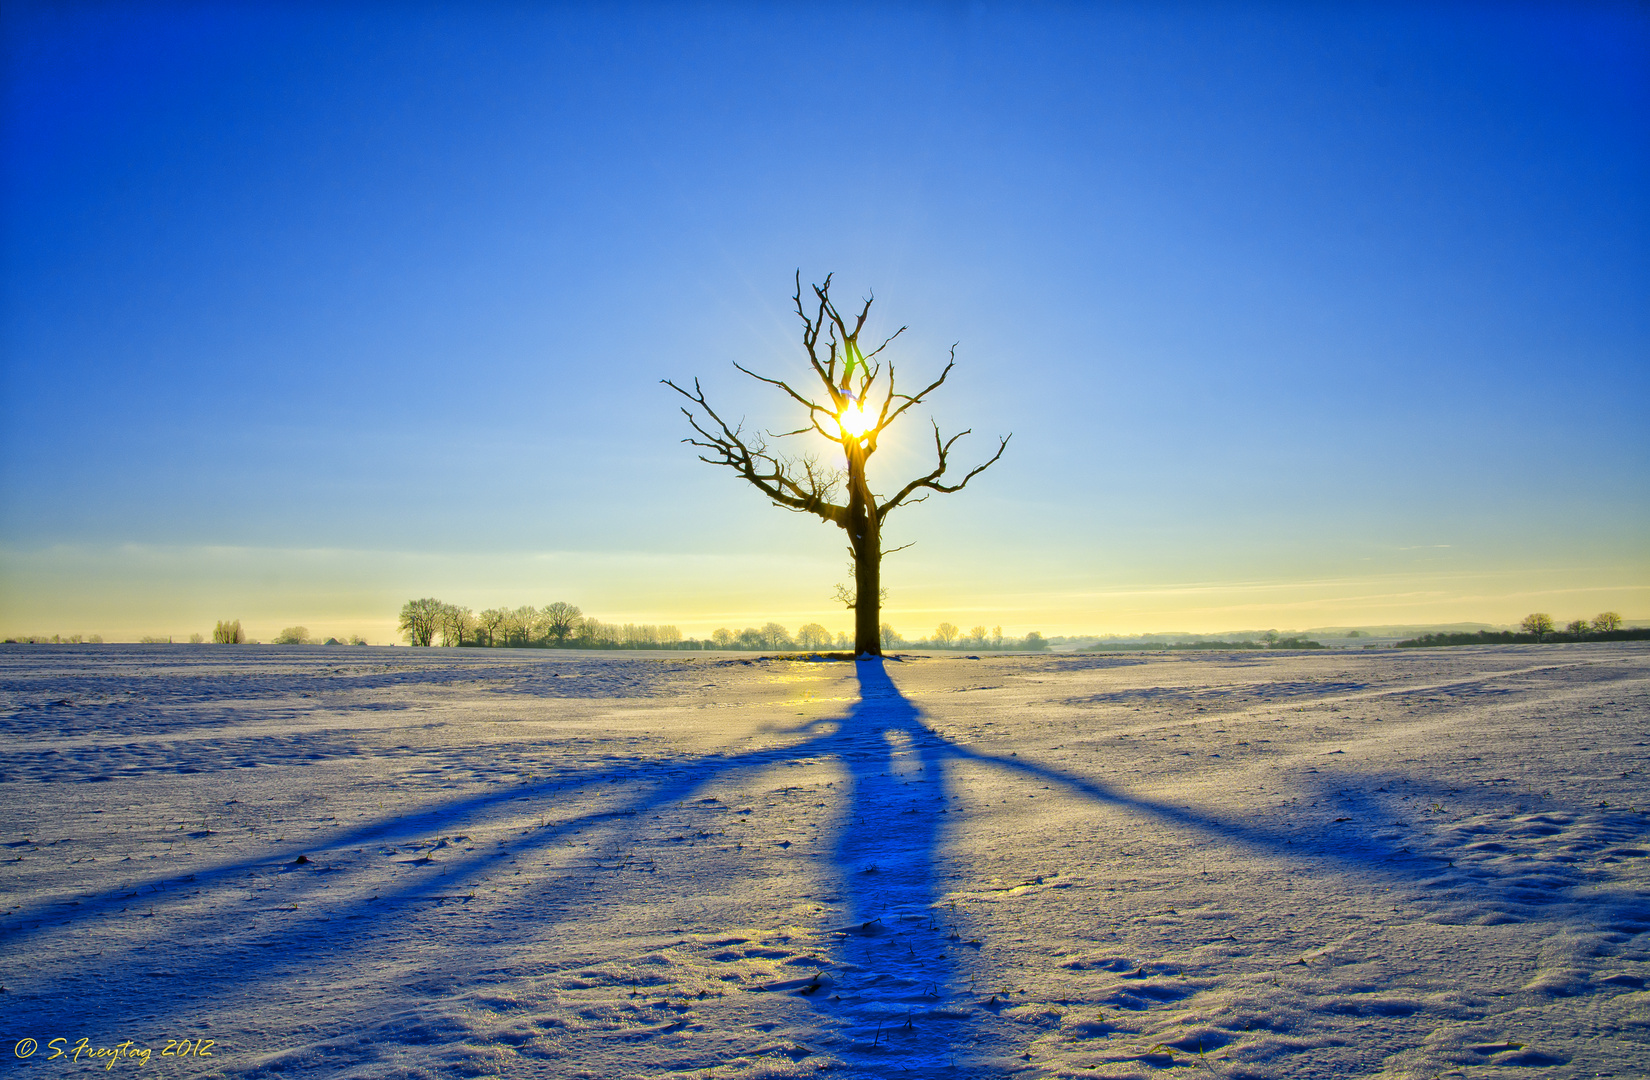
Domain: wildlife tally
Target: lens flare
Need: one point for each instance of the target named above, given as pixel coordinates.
(855, 421)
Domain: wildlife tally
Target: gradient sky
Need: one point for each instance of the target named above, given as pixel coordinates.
(1300, 315)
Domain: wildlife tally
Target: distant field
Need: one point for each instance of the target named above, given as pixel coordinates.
(378, 862)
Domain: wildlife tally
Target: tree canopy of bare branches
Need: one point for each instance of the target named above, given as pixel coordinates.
(852, 398)
(419, 619)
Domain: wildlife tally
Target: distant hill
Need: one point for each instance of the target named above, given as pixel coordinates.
(1402, 630)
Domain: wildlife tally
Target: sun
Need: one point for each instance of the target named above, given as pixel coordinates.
(855, 421)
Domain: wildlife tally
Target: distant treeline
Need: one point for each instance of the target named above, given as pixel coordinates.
(561, 625)
(1155, 646)
(1535, 629)
(1498, 637)
(55, 639)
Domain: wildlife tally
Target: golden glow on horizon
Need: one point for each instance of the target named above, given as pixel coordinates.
(130, 590)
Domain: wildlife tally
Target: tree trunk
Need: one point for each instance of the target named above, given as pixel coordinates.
(868, 602)
(865, 539)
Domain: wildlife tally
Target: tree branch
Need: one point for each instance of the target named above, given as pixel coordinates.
(942, 452)
(776, 477)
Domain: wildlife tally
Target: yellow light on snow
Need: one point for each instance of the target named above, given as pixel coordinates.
(855, 421)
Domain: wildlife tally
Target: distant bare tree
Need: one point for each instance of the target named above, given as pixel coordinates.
(488, 623)
(456, 622)
(1538, 623)
(890, 637)
(996, 637)
(519, 624)
(813, 636)
(857, 405)
(774, 636)
(723, 638)
(1606, 621)
(606, 635)
(945, 634)
(419, 618)
(560, 620)
(1578, 627)
(977, 636)
(293, 635)
(228, 633)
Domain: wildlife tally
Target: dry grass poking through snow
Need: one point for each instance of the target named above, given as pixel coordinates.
(393, 862)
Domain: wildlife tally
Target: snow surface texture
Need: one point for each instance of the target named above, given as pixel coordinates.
(382, 862)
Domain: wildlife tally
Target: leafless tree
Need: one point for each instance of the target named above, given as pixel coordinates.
(419, 618)
(488, 623)
(1539, 623)
(1606, 621)
(228, 633)
(519, 624)
(856, 400)
(813, 636)
(456, 621)
(945, 635)
(560, 620)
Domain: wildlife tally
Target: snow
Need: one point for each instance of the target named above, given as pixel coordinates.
(375, 862)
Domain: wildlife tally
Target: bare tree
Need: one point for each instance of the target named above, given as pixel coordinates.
(488, 622)
(593, 633)
(946, 634)
(723, 638)
(228, 633)
(640, 636)
(455, 622)
(1538, 623)
(293, 635)
(774, 636)
(890, 636)
(560, 620)
(1606, 621)
(857, 406)
(418, 619)
(519, 624)
(813, 636)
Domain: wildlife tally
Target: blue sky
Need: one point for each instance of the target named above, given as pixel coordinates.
(1300, 315)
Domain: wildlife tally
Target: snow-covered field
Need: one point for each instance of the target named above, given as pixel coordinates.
(395, 862)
